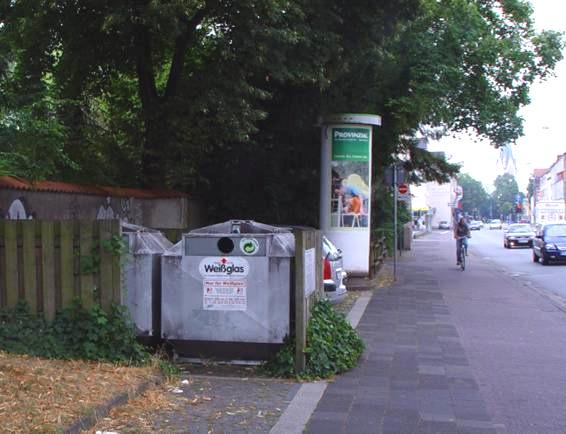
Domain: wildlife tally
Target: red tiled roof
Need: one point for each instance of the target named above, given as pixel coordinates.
(539, 172)
(65, 187)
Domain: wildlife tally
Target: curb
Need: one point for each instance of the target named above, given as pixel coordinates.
(296, 417)
(91, 419)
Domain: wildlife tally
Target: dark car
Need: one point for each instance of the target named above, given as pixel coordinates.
(550, 243)
(518, 235)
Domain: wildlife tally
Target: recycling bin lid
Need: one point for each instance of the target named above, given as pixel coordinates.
(281, 240)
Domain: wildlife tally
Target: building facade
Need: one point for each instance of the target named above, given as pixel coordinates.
(548, 202)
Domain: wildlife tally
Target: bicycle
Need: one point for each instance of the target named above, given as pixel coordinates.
(463, 252)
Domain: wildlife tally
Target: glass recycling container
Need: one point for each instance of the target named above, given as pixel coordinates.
(226, 290)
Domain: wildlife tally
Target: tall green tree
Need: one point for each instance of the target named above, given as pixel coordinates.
(475, 201)
(504, 195)
(222, 97)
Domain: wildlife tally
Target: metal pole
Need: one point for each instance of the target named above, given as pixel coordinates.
(395, 222)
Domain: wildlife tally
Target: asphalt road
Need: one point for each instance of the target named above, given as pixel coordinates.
(517, 262)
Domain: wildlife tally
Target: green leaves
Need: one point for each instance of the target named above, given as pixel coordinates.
(476, 200)
(506, 190)
(333, 346)
(76, 333)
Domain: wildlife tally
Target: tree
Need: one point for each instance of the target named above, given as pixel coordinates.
(504, 195)
(475, 201)
(221, 96)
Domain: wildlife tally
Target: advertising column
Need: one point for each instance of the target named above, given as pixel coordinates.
(345, 213)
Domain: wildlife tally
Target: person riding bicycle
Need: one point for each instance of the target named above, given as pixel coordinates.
(461, 235)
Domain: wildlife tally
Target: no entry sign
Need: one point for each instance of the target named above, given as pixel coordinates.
(403, 188)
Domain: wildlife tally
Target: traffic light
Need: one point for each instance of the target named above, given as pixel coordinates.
(519, 208)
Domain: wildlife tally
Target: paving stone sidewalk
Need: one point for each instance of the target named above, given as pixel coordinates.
(414, 376)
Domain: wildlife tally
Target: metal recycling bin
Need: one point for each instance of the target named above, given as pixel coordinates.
(229, 284)
(142, 277)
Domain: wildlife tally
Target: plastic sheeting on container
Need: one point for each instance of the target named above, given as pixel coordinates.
(228, 282)
(142, 277)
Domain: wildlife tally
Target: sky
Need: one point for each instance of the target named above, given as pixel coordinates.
(544, 118)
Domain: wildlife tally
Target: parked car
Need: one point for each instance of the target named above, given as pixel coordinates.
(475, 225)
(443, 225)
(495, 224)
(549, 243)
(518, 235)
(333, 272)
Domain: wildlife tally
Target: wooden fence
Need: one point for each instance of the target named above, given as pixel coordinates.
(50, 263)
(378, 253)
(309, 286)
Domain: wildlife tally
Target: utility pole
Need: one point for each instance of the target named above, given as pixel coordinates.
(395, 222)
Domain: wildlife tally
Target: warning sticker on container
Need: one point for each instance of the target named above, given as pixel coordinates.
(225, 294)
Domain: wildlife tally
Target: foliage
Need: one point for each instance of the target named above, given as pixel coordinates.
(475, 201)
(75, 333)
(153, 93)
(169, 369)
(506, 190)
(333, 346)
(115, 245)
(283, 363)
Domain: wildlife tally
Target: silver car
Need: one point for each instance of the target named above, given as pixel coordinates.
(518, 235)
(333, 272)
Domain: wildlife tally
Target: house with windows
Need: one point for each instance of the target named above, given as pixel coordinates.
(548, 202)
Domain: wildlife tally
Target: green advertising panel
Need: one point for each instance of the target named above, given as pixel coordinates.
(350, 191)
(350, 144)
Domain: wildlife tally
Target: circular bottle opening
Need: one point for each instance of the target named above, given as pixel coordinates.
(225, 245)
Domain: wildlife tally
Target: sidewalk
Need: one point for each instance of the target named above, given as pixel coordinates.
(446, 352)
(414, 376)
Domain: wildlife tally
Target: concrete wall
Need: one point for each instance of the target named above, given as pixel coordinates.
(166, 213)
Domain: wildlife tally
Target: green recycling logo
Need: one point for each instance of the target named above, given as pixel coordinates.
(249, 246)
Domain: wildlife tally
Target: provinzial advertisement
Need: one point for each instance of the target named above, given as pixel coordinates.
(350, 192)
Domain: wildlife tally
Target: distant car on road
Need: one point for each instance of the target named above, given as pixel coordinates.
(549, 243)
(495, 224)
(475, 225)
(443, 225)
(518, 235)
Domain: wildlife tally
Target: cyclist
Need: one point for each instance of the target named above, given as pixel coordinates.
(461, 235)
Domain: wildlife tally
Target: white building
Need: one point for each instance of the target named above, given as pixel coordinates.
(549, 199)
(436, 201)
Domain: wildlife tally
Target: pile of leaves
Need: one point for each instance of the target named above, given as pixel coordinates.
(75, 333)
(333, 346)
(44, 395)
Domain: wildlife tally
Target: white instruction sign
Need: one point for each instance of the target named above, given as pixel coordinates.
(224, 294)
(309, 271)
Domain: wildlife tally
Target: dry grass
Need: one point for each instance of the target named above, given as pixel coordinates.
(38, 395)
(136, 415)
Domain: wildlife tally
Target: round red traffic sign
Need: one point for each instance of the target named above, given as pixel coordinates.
(403, 188)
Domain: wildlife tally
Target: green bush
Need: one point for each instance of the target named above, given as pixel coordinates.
(333, 346)
(75, 333)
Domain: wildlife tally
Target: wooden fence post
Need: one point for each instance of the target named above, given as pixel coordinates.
(48, 268)
(300, 302)
(106, 258)
(30, 264)
(86, 252)
(11, 263)
(67, 254)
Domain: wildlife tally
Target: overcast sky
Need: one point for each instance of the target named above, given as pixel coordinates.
(544, 120)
